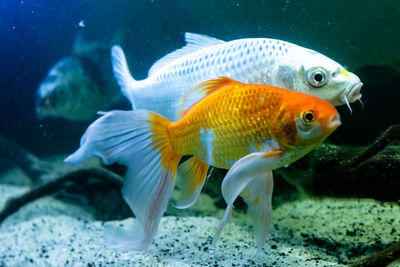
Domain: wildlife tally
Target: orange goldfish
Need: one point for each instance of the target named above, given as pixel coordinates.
(247, 128)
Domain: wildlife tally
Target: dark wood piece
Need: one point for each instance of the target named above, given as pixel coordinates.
(382, 258)
(48, 188)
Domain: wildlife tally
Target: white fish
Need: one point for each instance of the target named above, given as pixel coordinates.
(253, 60)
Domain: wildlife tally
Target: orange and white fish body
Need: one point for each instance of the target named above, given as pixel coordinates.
(242, 119)
(246, 128)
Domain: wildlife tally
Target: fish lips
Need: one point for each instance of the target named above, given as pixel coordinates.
(353, 92)
(334, 122)
(350, 95)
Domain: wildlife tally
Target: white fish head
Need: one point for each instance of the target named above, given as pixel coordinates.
(56, 93)
(308, 71)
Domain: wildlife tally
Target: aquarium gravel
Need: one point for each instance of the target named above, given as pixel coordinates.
(61, 234)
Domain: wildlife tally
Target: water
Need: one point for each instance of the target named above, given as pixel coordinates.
(361, 35)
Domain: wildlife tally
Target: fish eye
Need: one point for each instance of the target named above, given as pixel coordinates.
(317, 77)
(47, 101)
(308, 116)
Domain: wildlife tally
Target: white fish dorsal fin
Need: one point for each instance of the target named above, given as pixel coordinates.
(194, 43)
(201, 40)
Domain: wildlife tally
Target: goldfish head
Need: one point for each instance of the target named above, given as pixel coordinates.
(313, 119)
(310, 72)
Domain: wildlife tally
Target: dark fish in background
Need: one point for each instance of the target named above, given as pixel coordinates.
(79, 85)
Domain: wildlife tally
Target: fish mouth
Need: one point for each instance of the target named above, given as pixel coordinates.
(352, 94)
(334, 122)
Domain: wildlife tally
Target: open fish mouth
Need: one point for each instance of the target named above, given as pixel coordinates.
(334, 122)
(352, 94)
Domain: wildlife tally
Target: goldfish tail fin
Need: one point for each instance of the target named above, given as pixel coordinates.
(251, 178)
(140, 140)
(122, 74)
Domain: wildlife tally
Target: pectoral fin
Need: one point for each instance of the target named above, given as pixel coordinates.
(272, 154)
(193, 173)
(251, 176)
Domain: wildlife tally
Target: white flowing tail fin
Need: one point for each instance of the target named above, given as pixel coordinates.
(140, 140)
(122, 74)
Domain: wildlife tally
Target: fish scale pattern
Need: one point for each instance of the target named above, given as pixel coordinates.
(230, 121)
(246, 60)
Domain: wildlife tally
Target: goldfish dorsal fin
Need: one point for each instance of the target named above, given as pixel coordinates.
(201, 91)
(194, 43)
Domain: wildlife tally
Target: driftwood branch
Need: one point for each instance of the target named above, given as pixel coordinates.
(45, 179)
(31, 165)
(382, 258)
(391, 134)
(76, 176)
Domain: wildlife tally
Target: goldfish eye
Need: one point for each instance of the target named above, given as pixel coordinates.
(308, 116)
(317, 77)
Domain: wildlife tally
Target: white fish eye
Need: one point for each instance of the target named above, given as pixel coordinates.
(317, 77)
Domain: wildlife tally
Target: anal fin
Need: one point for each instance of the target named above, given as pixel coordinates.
(193, 173)
(258, 197)
(251, 177)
